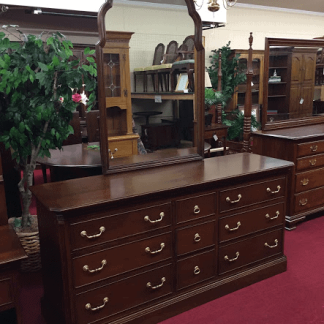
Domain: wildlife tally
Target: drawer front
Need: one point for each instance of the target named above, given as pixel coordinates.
(108, 228)
(6, 291)
(124, 148)
(309, 199)
(251, 250)
(310, 148)
(251, 194)
(123, 295)
(195, 207)
(309, 180)
(194, 238)
(196, 269)
(252, 221)
(310, 162)
(120, 259)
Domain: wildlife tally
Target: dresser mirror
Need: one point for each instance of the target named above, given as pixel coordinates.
(119, 104)
(292, 90)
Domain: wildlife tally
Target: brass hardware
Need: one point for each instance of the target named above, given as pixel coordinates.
(274, 217)
(234, 228)
(231, 260)
(148, 250)
(84, 233)
(147, 218)
(272, 246)
(149, 285)
(196, 270)
(313, 148)
(304, 182)
(312, 162)
(274, 192)
(303, 202)
(112, 153)
(88, 306)
(196, 209)
(197, 238)
(86, 267)
(125, 92)
(239, 196)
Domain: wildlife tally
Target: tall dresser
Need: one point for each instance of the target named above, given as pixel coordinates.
(140, 247)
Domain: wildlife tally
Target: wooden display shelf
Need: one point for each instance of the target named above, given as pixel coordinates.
(164, 96)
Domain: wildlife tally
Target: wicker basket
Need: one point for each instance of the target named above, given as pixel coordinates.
(30, 243)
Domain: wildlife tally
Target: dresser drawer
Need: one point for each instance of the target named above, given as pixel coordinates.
(196, 269)
(121, 146)
(249, 222)
(251, 250)
(195, 207)
(251, 194)
(309, 180)
(123, 295)
(120, 259)
(196, 237)
(309, 199)
(108, 228)
(310, 148)
(310, 162)
(6, 291)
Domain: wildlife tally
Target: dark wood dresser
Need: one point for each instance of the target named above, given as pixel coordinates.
(142, 246)
(305, 147)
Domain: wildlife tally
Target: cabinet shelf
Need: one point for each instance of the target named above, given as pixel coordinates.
(164, 96)
(277, 96)
(278, 67)
(272, 83)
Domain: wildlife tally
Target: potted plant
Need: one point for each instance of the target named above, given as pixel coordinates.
(38, 81)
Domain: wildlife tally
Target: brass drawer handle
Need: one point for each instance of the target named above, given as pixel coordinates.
(112, 153)
(274, 192)
(196, 209)
(197, 238)
(234, 228)
(148, 250)
(149, 285)
(231, 260)
(272, 246)
(313, 148)
(303, 202)
(304, 182)
(274, 217)
(88, 306)
(196, 270)
(101, 230)
(239, 196)
(147, 219)
(312, 162)
(86, 267)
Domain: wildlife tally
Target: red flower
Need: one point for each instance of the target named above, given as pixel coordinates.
(76, 97)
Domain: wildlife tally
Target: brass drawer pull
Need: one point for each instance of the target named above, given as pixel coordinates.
(234, 228)
(313, 148)
(239, 196)
(304, 182)
(231, 260)
(112, 153)
(197, 238)
(274, 192)
(149, 285)
(147, 219)
(303, 202)
(272, 246)
(196, 270)
(86, 267)
(312, 162)
(148, 250)
(84, 233)
(274, 217)
(196, 209)
(88, 306)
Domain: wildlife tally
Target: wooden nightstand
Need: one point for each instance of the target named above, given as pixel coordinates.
(219, 130)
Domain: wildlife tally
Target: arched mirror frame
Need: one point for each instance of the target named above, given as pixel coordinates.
(292, 122)
(199, 84)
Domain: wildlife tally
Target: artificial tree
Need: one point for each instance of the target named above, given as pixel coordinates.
(38, 77)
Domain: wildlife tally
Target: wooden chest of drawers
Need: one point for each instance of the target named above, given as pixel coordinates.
(305, 147)
(142, 246)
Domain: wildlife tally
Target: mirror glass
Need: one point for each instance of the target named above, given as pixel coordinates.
(293, 81)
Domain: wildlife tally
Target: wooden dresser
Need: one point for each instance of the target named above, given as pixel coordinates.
(305, 147)
(140, 247)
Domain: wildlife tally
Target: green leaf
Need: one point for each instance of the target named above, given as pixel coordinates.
(56, 61)
(43, 66)
(50, 41)
(21, 127)
(87, 50)
(90, 59)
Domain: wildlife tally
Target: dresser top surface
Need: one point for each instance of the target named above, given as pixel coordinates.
(90, 191)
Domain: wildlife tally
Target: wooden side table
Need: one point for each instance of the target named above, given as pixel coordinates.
(219, 130)
(11, 252)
